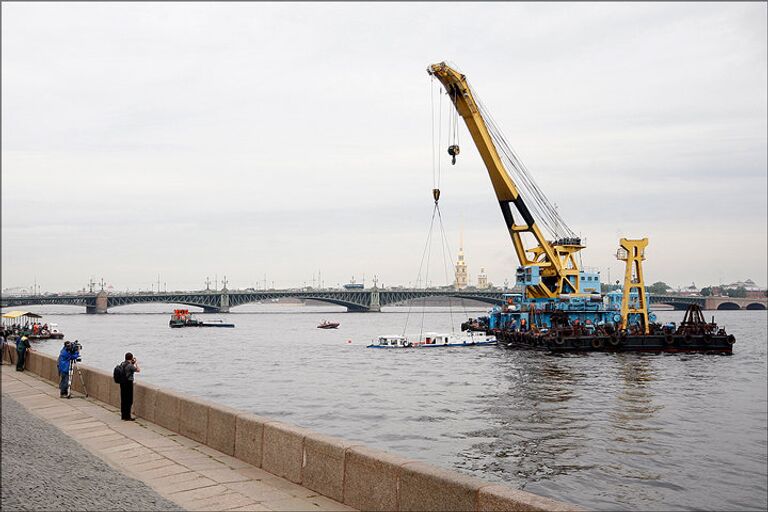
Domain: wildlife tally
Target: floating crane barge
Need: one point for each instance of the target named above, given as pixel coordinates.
(561, 308)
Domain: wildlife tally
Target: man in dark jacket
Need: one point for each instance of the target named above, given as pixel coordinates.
(126, 386)
(22, 345)
(66, 356)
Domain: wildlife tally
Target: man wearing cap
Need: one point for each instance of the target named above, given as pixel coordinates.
(66, 356)
(22, 345)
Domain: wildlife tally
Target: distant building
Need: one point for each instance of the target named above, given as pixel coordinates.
(753, 290)
(461, 268)
(17, 290)
(748, 285)
(482, 280)
(689, 290)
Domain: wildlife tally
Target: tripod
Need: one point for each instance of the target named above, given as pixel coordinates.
(72, 367)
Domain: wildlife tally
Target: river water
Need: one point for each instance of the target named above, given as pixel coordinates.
(604, 431)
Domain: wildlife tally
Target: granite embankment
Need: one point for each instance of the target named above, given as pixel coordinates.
(346, 473)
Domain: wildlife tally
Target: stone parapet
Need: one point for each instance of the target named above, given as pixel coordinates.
(351, 473)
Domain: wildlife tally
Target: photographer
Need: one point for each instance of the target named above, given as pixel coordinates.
(126, 386)
(22, 345)
(69, 352)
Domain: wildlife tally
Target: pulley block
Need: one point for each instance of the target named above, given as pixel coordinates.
(453, 150)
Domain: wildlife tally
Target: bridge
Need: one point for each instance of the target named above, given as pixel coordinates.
(710, 303)
(368, 300)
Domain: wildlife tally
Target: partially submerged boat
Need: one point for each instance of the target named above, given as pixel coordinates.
(328, 325)
(435, 340)
(390, 341)
(183, 318)
(464, 339)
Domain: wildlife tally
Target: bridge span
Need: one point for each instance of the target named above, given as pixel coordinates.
(368, 300)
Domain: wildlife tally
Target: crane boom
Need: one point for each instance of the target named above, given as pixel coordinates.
(550, 268)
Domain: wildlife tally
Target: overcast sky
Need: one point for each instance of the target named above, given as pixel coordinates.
(244, 139)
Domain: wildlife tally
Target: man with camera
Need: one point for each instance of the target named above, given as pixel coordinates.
(22, 346)
(69, 352)
(126, 386)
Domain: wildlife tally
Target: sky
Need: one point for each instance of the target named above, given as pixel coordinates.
(278, 142)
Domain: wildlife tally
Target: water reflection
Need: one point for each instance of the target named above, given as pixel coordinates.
(535, 432)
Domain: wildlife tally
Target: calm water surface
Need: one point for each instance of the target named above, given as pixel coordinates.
(611, 432)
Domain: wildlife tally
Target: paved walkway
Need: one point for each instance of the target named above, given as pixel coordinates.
(45, 469)
(193, 476)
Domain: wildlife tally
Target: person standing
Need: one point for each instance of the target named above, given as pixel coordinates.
(22, 345)
(66, 356)
(126, 386)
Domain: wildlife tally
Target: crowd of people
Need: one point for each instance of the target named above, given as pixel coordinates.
(34, 328)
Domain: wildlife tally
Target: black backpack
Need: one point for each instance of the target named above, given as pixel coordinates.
(119, 374)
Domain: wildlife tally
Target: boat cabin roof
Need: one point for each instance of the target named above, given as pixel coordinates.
(21, 314)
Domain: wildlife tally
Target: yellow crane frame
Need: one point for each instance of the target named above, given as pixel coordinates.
(633, 252)
(559, 267)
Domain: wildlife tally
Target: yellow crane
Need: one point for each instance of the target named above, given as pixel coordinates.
(550, 268)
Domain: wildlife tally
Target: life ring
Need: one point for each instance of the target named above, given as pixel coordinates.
(597, 343)
(613, 340)
(559, 340)
(731, 339)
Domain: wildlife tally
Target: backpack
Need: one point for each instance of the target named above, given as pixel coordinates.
(119, 374)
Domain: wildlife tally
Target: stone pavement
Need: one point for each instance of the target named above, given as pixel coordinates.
(185, 472)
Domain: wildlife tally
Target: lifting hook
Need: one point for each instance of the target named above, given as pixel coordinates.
(453, 150)
(436, 194)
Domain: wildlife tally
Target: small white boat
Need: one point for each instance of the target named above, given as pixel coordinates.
(463, 339)
(390, 341)
(434, 340)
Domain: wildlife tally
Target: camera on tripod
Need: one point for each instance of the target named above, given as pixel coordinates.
(74, 347)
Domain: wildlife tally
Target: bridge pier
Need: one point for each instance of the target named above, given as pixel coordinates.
(375, 301)
(100, 307)
(224, 302)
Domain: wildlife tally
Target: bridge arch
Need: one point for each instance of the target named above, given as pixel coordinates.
(394, 297)
(336, 302)
(172, 304)
(728, 306)
(674, 305)
(353, 301)
(755, 306)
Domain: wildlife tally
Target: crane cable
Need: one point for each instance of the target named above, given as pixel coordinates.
(436, 213)
(424, 255)
(532, 194)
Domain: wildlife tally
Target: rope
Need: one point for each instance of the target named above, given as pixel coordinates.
(444, 245)
(439, 136)
(432, 118)
(421, 266)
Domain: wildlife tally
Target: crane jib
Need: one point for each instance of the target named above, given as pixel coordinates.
(506, 211)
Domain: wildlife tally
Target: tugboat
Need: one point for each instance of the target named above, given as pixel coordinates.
(560, 307)
(183, 318)
(328, 325)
